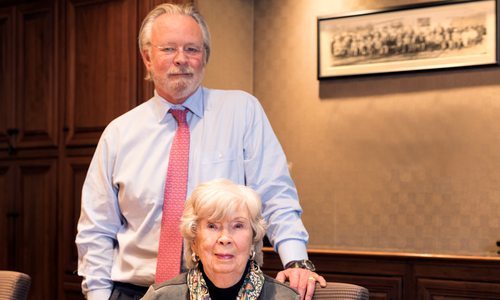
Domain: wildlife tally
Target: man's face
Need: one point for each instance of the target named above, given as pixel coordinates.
(175, 57)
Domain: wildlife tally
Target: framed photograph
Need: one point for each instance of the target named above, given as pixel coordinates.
(436, 35)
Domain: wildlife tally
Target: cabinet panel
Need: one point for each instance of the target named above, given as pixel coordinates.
(379, 287)
(102, 66)
(28, 207)
(7, 242)
(6, 75)
(449, 289)
(36, 203)
(36, 105)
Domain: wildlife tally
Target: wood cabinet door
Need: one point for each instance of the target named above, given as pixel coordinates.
(35, 99)
(435, 289)
(102, 60)
(36, 202)
(28, 207)
(28, 115)
(7, 217)
(6, 75)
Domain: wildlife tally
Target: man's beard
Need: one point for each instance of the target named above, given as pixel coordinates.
(183, 87)
(178, 87)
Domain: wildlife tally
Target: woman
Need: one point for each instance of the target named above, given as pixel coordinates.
(223, 229)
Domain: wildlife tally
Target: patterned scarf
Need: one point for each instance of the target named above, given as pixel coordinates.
(250, 290)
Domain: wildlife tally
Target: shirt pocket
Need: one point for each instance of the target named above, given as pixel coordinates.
(221, 163)
(220, 156)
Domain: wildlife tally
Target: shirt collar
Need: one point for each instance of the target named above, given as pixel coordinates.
(194, 103)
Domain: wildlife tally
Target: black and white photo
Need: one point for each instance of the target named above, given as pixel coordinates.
(443, 35)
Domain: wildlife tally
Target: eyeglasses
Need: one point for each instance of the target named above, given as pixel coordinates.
(188, 50)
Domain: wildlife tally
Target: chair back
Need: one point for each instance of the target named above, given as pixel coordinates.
(340, 291)
(14, 285)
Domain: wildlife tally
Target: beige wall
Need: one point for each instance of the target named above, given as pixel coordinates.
(231, 28)
(407, 162)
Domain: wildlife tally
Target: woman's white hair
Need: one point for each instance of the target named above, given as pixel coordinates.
(215, 200)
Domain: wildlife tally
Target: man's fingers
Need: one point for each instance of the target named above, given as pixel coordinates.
(281, 277)
(303, 278)
(311, 285)
(321, 280)
(294, 278)
(304, 281)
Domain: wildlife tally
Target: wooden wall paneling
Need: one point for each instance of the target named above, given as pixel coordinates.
(429, 289)
(462, 279)
(144, 88)
(464, 269)
(74, 172)
(7, 217)
(36, 101)
(6, 75)
(380, 287)
(36, 203)
(101, 67)
(383, 280)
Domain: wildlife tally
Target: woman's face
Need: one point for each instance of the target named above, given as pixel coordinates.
(224, 246)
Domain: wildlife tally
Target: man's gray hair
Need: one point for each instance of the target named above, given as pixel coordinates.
(144, 39)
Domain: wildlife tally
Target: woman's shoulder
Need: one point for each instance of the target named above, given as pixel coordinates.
(175, 288)
(274, 289)
(177, 280)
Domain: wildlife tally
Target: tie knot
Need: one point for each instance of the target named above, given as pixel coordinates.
(179, 115)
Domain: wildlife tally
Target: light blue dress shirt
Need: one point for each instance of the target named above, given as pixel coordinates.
(122, 197)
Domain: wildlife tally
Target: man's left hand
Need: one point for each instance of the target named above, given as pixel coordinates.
(303, 280)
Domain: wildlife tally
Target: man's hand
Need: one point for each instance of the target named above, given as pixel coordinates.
(303, 280)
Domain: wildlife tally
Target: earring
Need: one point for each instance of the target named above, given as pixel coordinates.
(195, 257)
(252, 254)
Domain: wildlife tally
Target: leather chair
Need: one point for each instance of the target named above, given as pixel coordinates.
(340, 291)
(14, 285)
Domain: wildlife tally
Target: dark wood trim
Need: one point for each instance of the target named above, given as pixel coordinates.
(409, 276)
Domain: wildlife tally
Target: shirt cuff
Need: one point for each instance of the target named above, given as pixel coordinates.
(98, 294)
(292, 250)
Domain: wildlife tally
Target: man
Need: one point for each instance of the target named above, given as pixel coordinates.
(229, 137)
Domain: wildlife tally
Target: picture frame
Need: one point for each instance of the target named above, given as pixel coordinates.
(430, 36)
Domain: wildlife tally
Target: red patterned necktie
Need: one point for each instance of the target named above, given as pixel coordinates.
(169, 258)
